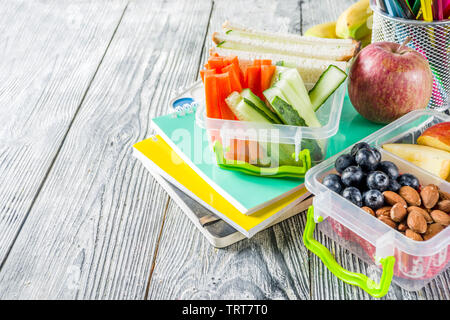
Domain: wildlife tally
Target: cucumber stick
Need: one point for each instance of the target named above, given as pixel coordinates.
(286, 64)
(284, 110)
(254, 101)
(244, 111)
(276, 74)
(328, 82)
(293, 88)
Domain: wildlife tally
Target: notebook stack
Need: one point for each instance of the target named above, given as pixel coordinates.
(180, 159)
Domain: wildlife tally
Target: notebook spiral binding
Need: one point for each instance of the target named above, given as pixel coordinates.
(180, 111)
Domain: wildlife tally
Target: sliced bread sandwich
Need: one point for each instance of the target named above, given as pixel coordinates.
(237, 37)
(310, 69)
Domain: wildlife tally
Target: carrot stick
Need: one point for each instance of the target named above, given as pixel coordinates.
(238, 150)
(224, 88)
(216, 63)
(239, 72)
(202, 75)
(267, 72)
(257, 62)
(254, 79)
(211, 98)
(204, 72)
(234, 78)
(266, 62)
(231, 59)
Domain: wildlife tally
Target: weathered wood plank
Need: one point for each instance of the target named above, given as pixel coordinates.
(50, 53)
(271, 265)
(324, 285)
(92, 231)
(273, 15)
(268, 266)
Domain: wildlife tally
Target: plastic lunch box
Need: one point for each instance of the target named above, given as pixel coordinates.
(308, 146)
(408, 263)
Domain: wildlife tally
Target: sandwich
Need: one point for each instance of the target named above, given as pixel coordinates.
(310, 55)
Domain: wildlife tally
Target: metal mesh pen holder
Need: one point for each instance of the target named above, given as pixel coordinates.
(431, 39)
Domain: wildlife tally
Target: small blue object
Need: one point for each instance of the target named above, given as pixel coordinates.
(182, 101)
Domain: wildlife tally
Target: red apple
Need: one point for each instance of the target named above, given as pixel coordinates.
(388, 80)
(437, 136)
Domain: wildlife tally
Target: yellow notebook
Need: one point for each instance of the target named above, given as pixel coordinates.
(157, 155)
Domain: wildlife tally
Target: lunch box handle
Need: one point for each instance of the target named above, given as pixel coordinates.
(272, 172)
(356, 279)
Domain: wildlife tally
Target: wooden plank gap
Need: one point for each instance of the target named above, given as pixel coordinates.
(204, 40)
(300, 2)
(155, 253)
(2, 263)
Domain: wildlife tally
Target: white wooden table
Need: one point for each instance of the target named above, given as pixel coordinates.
(80, 218)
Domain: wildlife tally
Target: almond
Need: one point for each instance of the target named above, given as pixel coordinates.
(410, 195)
(413, 235)
(423, 212)
(416, 222)
(440, 217)
(432, 230)
(388, 221)
(430, 196)
(391, 198)
(368, 210)
(383, 211)
(443, 205)
(444, 195)
(398, 212)
(402, 226)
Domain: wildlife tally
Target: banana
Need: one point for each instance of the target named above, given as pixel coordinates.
(352, 23)
(366, 40)
(324, 30)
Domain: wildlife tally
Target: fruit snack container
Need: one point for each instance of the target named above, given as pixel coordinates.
(272, 150)
(408, 263)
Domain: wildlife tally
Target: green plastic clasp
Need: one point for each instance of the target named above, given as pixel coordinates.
(356, 279)
(272, 172)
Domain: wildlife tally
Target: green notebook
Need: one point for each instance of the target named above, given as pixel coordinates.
(248, 193)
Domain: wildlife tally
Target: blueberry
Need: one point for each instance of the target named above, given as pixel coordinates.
(377, 153)
(343, 162)
(373, 199)
(408, 179)
(378, 180)
(389, 168)
(366, 159)
(363, 184)
(352, 176)
(358, 147)
(353, 195)
(394, 185)
(333, 182)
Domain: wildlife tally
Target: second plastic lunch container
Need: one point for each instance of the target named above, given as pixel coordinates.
(272, 149)
(408, 263)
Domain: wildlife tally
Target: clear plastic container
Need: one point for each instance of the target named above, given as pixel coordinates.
(416, 262)
(289, 141)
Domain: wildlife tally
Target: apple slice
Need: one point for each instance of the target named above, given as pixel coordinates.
(433, 160)
(437, 136)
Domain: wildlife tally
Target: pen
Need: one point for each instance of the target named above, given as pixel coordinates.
(426, 10)
(406, 10)
(438, 10)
